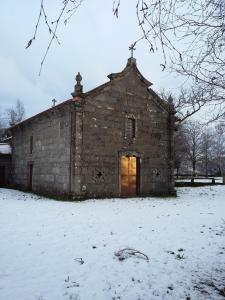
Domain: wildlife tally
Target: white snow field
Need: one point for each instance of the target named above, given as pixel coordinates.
(52, 250)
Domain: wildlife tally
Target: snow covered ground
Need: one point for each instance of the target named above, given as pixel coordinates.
(51, 250)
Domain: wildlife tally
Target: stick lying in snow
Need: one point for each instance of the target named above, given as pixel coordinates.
(80, 260)
(128, 252)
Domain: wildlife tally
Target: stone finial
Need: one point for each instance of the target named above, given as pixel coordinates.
(170, 99)
(131, 61)
(171, 105)
(78, 78)
(78, 88)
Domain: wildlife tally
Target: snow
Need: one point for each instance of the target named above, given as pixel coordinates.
(66, 250)
(5, 148)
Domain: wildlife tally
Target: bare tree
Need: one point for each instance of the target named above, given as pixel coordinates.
(207, 146)
(187, 102)
(201, 147)
(180, 149)
(3, 124)
(16, 114)
(193, 132)
(219, 147)
(67, 10)
(191, 36)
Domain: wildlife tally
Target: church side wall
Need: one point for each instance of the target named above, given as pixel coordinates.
(50, 133)
(104, 140)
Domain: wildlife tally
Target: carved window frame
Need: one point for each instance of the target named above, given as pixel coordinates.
(130, 130)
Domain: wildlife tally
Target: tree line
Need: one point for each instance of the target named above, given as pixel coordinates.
(199, 149)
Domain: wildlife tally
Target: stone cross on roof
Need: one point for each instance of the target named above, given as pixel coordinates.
(54, 102)
(132, 49)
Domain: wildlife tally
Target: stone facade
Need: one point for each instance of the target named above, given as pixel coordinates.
(80, 148)
(43, 144)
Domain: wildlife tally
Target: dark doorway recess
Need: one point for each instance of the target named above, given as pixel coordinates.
(2, 176)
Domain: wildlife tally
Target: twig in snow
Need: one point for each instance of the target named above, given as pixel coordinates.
(128, 252)
(80, 260)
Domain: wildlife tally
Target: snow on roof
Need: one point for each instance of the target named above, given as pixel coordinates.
(4, 139)
(5, 148)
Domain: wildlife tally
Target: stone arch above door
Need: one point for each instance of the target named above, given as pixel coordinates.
(130, 153)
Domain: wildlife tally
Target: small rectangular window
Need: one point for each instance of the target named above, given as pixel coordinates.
(31, 144)
(30, 176)
(130, 128)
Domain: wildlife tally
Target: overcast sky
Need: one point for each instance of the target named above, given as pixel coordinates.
(94, 42)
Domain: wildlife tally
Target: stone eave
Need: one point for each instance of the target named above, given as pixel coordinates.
(51, 109)
(158, 101)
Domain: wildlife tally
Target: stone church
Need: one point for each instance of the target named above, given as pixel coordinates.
(113, 141)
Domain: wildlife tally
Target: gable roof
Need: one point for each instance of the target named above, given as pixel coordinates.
(130, 67)
(51, 109)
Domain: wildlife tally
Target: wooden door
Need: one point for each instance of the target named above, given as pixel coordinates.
(2, 175)
(129, 171)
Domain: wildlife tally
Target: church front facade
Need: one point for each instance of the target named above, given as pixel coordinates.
(113, 141)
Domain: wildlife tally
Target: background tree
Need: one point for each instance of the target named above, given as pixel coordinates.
(187, 102)
(199, 24)
(3, 124)
(206, 148)
(180, 150)
(193, 132)
(16, 114)
(68, 9)
(219, 148)
(200, 148)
